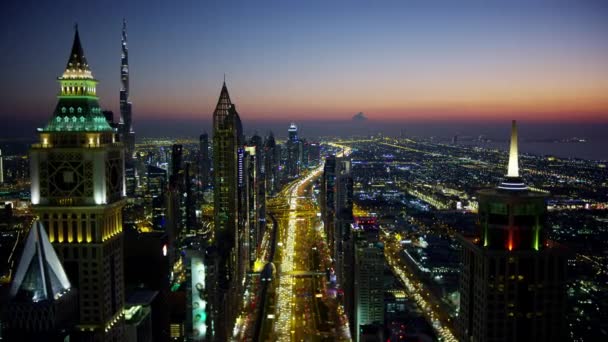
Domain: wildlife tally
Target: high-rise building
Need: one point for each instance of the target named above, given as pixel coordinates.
(204, 166)
(127, 135)
(253, 203)
(177, 156)
(258, 186)
(77, 191)
(148, 287)
(328, 199)
(337, 214)
(175, 203)
(369, 285)
(157, 180)
(314, 153)
(1, 169)
(512, 285)
(227, 139)
(190, 223)
(294, 152)
(272, 160)
(337, 207)
(42, 302)
(131, 178)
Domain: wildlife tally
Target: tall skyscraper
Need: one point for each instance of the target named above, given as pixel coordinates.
(77, 191)
(1, 169)
(175, 202)
(328, 199)
(127, 135)
(42, 301)
(177, 156)
(204, 166)
(271, 165)
(513, 280)
(227, 138)
(369, 285)
(337, 214)
(257, 184)
(294, 152)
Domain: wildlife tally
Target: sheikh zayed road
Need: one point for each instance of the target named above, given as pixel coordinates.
(295, 304)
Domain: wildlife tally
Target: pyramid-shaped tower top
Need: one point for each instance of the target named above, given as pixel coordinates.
(40, 275)
(224, 108)
(224, 100)
(78, 107)
(77, 66)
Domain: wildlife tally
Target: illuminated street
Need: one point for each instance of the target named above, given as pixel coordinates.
(415, 288)
(303, 311)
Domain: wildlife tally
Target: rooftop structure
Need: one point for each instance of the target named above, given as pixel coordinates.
(78, 106)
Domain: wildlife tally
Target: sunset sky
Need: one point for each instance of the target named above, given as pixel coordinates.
(319, 60)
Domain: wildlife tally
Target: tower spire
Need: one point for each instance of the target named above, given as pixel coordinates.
(125, 126)
(512, 180)
(78, 105)
(77, 66)
(513, 169)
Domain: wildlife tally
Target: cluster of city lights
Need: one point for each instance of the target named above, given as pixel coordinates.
(416, 291)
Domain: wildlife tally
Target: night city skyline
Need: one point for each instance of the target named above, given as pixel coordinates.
(267, 171)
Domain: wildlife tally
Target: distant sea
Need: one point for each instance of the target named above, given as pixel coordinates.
(593, 150)
(535, 138)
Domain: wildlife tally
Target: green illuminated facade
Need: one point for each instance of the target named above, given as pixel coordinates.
(77, 192)
(78, 107)
(511, 220)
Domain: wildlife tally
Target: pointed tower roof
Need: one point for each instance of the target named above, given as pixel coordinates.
(77, 66)
(40, 275)
(223, 110)
(224, 100)
(512, 180)
(78, 107)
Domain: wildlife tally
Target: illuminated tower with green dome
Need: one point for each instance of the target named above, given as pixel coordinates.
(77, 192)
(78, 105)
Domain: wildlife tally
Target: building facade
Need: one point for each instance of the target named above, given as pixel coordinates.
(227, 139)
(513, 280)
(204, 167)
(78, 191)
(272, 159)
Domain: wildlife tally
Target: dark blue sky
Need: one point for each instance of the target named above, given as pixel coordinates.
(406, 61)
